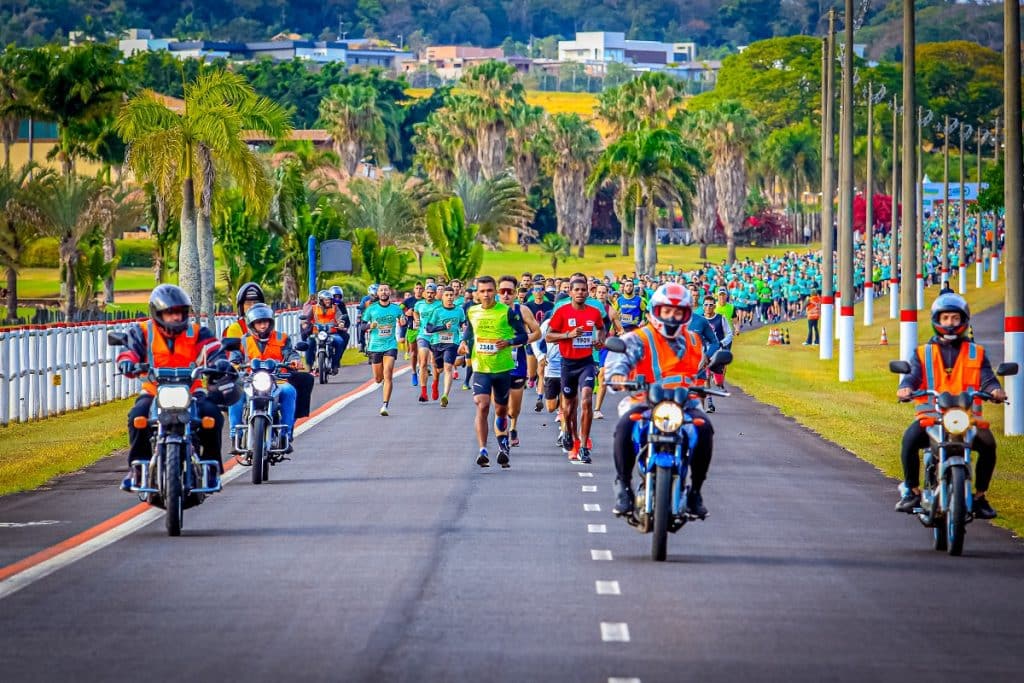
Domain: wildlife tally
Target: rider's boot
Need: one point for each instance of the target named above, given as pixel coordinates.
(623, 499)
(982, 509)
(695, 504)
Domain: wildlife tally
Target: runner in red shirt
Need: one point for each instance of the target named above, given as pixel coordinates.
(578, 329)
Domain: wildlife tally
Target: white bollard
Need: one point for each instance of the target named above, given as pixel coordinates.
(894, 299)
(979, 274)
(827, 324)
(962, 279)
(1013, 415)
(920, 292)
(869, 303)
(994, 268)
(846, 325)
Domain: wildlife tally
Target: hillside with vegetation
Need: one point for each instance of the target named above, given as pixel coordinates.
(517, 24)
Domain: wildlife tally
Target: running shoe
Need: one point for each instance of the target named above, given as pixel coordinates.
(423, 395)
(695, 504)
(539, 406)
(384, 410)
(465, 387)
(434, 390)
(444, 400)
(503, 452)
(590, 444)
(598, 415)
(710, 406)
(415, 379)
(455, 374)
(574, 454)
(514, 438)
(482, 459)
(584, 455)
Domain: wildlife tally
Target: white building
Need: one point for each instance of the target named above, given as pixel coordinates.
(610, 46)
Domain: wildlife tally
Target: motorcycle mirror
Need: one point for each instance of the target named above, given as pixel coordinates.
(1007, 369)
(615, 344)
(231, 344)
(302, 346)
(899, 367)
(117, 339)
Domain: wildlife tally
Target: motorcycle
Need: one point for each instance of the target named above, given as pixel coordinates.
(323, 355)
(946, 496)
(663, 458)
(261, 440)
(175, 478)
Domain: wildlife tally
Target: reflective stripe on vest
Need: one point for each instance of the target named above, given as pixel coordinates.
(272, 350)
(965, 373)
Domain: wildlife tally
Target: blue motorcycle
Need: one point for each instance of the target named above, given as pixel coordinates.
(260, 439)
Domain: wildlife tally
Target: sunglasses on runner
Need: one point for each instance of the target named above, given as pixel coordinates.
(505, 290)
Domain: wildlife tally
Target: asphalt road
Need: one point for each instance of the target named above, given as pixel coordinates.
(383, 553)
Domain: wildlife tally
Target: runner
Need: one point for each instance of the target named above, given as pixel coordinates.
(723, 332)
(541, 308)
(631, 305)
(420, 312)
(578, 329)
(445, 328)
(506, 291)
(491, 333)
(615, 327)
(550, 361)
(382, 344)
(408, 305)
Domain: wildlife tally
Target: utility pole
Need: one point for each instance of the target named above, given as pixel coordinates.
(846, 321)
(894, 221)
(827, 321)
(944, 246)
(994, 265)
(869, 216)
(979, 238)
(919, 204)
(908, 269)
(1013, 200)
(961, 254)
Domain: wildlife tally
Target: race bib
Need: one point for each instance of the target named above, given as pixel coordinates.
(488, 348)
(628, 319)
(385, 330)
(584, 341)
(448, 338)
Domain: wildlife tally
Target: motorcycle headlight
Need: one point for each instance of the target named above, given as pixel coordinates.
(262, 382)
(667, 416)
(322, 336)
(956, 421)
(176, 397)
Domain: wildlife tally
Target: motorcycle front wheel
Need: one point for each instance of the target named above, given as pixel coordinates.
(662, 513)
(956, 516)
(174, 491)
(322, 367)
(258, 427)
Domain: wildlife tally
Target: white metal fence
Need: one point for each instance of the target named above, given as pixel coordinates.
(49, 370)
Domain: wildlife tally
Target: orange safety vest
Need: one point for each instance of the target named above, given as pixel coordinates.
(813, 308)
(160, 354)
(660, 359)
(324, 316)
(965, 374)
(273, 350)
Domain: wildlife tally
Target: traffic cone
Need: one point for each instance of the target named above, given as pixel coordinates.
(884, 341)
(786, 338)
(771, 336)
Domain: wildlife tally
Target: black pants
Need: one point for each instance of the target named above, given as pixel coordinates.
(303, 383)
(139, 447)
(916, 438)
(812, 332)
(625, 456)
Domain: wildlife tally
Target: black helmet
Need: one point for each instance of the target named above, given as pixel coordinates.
(260, 312)
(950, 303)
(165, 298)
(250, 291)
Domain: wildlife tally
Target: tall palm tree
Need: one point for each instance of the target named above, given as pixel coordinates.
(654, 165)
(351, 114)
(386, 207)
(572, 146)
(794, 154)
(731, 132)
(498, 205)
(10, 94)
(494, 88)
(17, 232)
(119, 208)
(204, 139)
(66, 207)
(526, 123)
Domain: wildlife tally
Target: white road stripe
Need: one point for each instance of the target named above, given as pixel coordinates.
(588, 489)
(601, 554)
(623, 680)
(607, 588)
(615, 632)
(585, 475)
(597, 529)
(591, 507)
(20, 580)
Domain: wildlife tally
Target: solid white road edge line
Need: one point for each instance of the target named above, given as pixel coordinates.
(22, 579)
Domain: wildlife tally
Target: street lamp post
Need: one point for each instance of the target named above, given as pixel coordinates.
(979, 241)
(846, 320)
(894, 222)
(944, 245)
(908, 261)
(869, 215)
(918, 199)
(961, 254)
(1013, 200)
(827, 233)
(994, 265)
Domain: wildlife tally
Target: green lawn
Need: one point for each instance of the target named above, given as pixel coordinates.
(45, 282)
(863, 416)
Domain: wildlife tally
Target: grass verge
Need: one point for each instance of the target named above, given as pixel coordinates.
(863, 416)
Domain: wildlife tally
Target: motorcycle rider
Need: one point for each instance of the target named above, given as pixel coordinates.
(338, 296)
(948, 362)
(324, 312)
(169, 340)
(665, 347)
(262, 342)
(248, 296)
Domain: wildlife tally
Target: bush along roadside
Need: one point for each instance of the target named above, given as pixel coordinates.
(137, 253)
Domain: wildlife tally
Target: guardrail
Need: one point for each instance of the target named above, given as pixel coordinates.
(47, 370)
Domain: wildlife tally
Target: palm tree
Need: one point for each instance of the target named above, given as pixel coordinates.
(654, 165)
(16, 232)
(454, 239)
(205, 138)
(526, 123)
(493, 88)
(730, 132)
(556, 247)
(66, 207)
(384, 206)
(497, 205)
(648, 100)
(10, 94)
(351, 114)
(794, 154)
(119, 209)
(571, 147)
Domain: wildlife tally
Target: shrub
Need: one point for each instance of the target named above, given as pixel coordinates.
(132, 253)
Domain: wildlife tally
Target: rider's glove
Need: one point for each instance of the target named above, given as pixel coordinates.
(125, 367)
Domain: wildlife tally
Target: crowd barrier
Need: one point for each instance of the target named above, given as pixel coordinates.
(47, 370)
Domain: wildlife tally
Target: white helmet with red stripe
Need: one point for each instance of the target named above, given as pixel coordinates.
(675, 295)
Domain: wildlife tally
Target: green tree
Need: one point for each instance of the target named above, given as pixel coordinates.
(793, 154)
(383, 264)
(497, 205)
(249, 251)
(571, 147)
(454, 240)
(118, 209)
(17, 230)
(350, 113)
(385, 206)
(493, 89)
(556, 248)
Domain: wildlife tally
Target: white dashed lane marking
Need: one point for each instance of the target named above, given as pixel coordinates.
(585, 475)
(597, 529)
(614, 632)
(623, 680)
(591, 507)
(588, 489)
(600, 554)
(607, 588)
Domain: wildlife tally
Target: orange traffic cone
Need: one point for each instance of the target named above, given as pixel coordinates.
(884, 341)
(771, 336)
